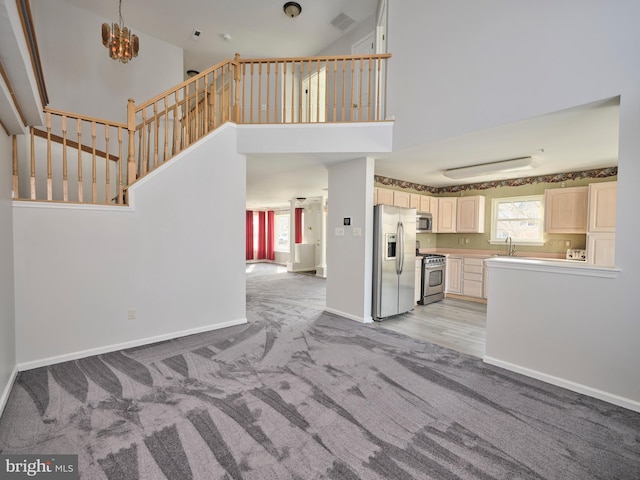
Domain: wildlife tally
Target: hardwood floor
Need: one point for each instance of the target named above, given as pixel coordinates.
(456, 324)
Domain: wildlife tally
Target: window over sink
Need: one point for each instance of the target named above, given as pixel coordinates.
(521, 218)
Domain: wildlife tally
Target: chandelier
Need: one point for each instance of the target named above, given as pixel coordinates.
(122, 44)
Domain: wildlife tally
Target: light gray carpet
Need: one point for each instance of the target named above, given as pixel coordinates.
(299, 394)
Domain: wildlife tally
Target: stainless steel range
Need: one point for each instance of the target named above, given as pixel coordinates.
(432, 282)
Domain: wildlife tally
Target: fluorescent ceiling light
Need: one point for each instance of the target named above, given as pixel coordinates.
(504, 166)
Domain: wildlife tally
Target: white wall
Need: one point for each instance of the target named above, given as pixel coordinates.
(350, 257)
(470, 65)
(342, 46)
(7, 314)
(78, 270)
(81, 78)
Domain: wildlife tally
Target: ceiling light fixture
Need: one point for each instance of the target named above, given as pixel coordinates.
(122, 44)
(504, 166)
(192, 73)
(292, 9)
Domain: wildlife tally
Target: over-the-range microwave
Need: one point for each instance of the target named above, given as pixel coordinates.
(424, 222)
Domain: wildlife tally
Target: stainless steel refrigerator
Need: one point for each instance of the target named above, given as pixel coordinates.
(394, 255)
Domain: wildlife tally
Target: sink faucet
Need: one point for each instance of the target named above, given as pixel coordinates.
(512, 247)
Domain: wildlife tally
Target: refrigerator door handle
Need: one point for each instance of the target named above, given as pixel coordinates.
(400, 246)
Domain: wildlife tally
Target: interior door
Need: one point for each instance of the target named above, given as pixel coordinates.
(362, 81)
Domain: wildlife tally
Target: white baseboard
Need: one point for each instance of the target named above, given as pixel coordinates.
(122, 346)
(569, 385)
(7, 389)
(348, 315)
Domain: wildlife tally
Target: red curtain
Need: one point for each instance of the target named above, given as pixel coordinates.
(249, 235)
(262, 236)
(271, 235)
(298, 221)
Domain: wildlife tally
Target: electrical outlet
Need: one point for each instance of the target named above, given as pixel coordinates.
(132, 314)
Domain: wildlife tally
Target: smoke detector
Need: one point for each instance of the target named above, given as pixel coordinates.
(196, 34)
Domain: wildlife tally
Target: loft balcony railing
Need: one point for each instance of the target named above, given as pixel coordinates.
(80, 159)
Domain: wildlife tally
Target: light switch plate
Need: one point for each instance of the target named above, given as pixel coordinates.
(339, 232)
(357, 232)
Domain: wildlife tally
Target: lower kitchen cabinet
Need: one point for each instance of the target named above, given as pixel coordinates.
(601, 249)
(453, 275)
(472, 277)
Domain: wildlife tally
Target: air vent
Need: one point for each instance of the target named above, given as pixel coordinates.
(342, 22)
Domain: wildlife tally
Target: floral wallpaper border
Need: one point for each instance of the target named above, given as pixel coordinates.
(513, 182)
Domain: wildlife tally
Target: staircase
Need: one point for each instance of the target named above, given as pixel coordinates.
(81, 159)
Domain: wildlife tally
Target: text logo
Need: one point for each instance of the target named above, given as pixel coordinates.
(51, 467)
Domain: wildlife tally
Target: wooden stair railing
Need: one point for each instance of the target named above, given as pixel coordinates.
(333, 89)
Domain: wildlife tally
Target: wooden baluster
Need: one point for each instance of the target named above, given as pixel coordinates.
(16, 183)
(268, 91)
(120, 166)
(335, 90)
(309, 67)
(379, 87)
(251, 94)
(276, 106)
(215, 102)
(131, 128)
(49, 174)
(140, 159)
(176, 121)
(94, 184)
(260, 92)
(293, 89)
(360, 92)
(65, 175)
(196, 119)
(205, 105)
(166, 130)
(156, 123)
(318, 90)
(144, 161)
(187, 123)
(353, 90)
(80, 189)
(284, 92)
(300, 96)
(33, 166)
(147, 164)
(107, 176)
(236, 88)
(344, 89)
(223, 97)
(370, 90)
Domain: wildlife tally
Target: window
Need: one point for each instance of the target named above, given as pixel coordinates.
(281, 221)
(521, 218)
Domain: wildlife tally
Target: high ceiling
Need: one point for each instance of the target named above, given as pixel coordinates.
(257, 28)
(581, 138)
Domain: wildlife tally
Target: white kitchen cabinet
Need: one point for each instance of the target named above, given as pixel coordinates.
(401, 199)
(418, 285)
(601, 249)
(565, 210)
(470, 214)
(602, 207)
(472, 277)
(447, 213)
(453, 275)
(384, 196)
(434, 202)
(425, 203)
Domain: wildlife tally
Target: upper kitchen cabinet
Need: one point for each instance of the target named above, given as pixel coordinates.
(565, 210)
(422, 203)
(401, 199)
(602, 207)
(447, 214)
(470, 214)
(383, 196)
